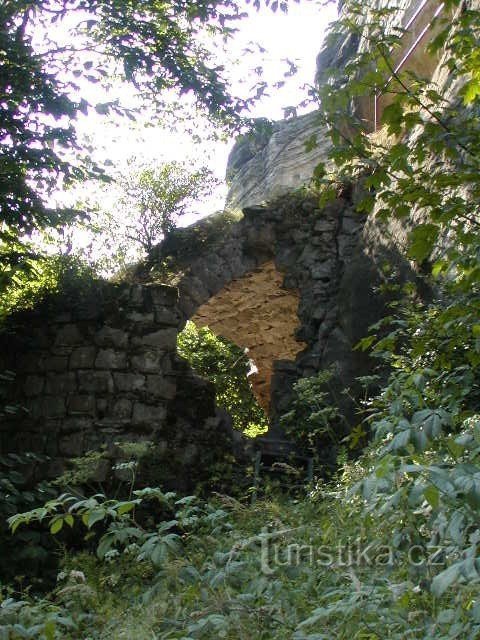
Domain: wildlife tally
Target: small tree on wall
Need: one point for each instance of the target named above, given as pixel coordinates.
(156, 196)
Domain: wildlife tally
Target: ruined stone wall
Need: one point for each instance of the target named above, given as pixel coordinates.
(322, 259)
(103, 369)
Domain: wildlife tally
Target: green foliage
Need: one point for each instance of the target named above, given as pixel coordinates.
(33, 280)
(49, 52)
(28, 555)
(157, 47)
(228, 367)
(314, 421)
(150, 201)
(425, 160)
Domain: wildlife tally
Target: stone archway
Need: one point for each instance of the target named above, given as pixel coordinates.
(258, 314)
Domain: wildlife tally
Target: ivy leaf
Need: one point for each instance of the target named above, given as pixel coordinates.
(56, 526)
(69, 519)
(422, 240)
(470, 91)
(445, 579)
(365, 343)
(392, 116)
(432, 496)
(94, 516)
(125, 507)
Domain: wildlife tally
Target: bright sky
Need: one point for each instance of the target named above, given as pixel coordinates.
(297, 36)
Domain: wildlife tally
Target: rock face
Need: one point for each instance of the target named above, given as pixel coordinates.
(104, 372)
(274, 162)
(415, 18)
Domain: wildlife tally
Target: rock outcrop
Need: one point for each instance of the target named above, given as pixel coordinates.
(274, 162)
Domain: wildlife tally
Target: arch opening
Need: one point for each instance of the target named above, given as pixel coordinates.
(259, 315)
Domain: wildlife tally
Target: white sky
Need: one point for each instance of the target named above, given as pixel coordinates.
(297, 35)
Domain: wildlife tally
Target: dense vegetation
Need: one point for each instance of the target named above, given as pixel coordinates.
(228, 367)
(389, 547)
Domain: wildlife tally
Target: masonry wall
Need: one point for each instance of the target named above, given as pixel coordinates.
(101, 368)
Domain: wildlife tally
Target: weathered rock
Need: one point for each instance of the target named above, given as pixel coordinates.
(82, 358)
(149, 415)
(71, 444)
(81, 405)
(95, 381)
(110, 337)
(111, 359)
(68, 335)
(163, 339)
(148, 361)
(162, 387)
(34, 385)
(122, 408)
(264, 167)
(129, 381)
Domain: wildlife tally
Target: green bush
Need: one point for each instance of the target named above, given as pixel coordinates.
(313, 419)
(227, 366)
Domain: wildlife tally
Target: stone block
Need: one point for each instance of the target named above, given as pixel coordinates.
(37, 442)
(54, 407)
(39, 338)
(148, 415)
(64, 317)
(33, 385)
(323, 270)
(162, 295)
(110, 337)
(136, 296)
(167, 316)
(88, 310)
(148, 361)
(72, 424)
(32, 362)
(162, 387)
(129, 382)
(352, 225)
(325, 225)
(102, 406)
(68, 335)
(162, 339)
(81, 405)
(82, 358)
(142, 319)
(122, 408)
(51, 444)
(61, 382)
(56, 363)
(111, 359)
(95, 382)
(42, 407)
(71, 445)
